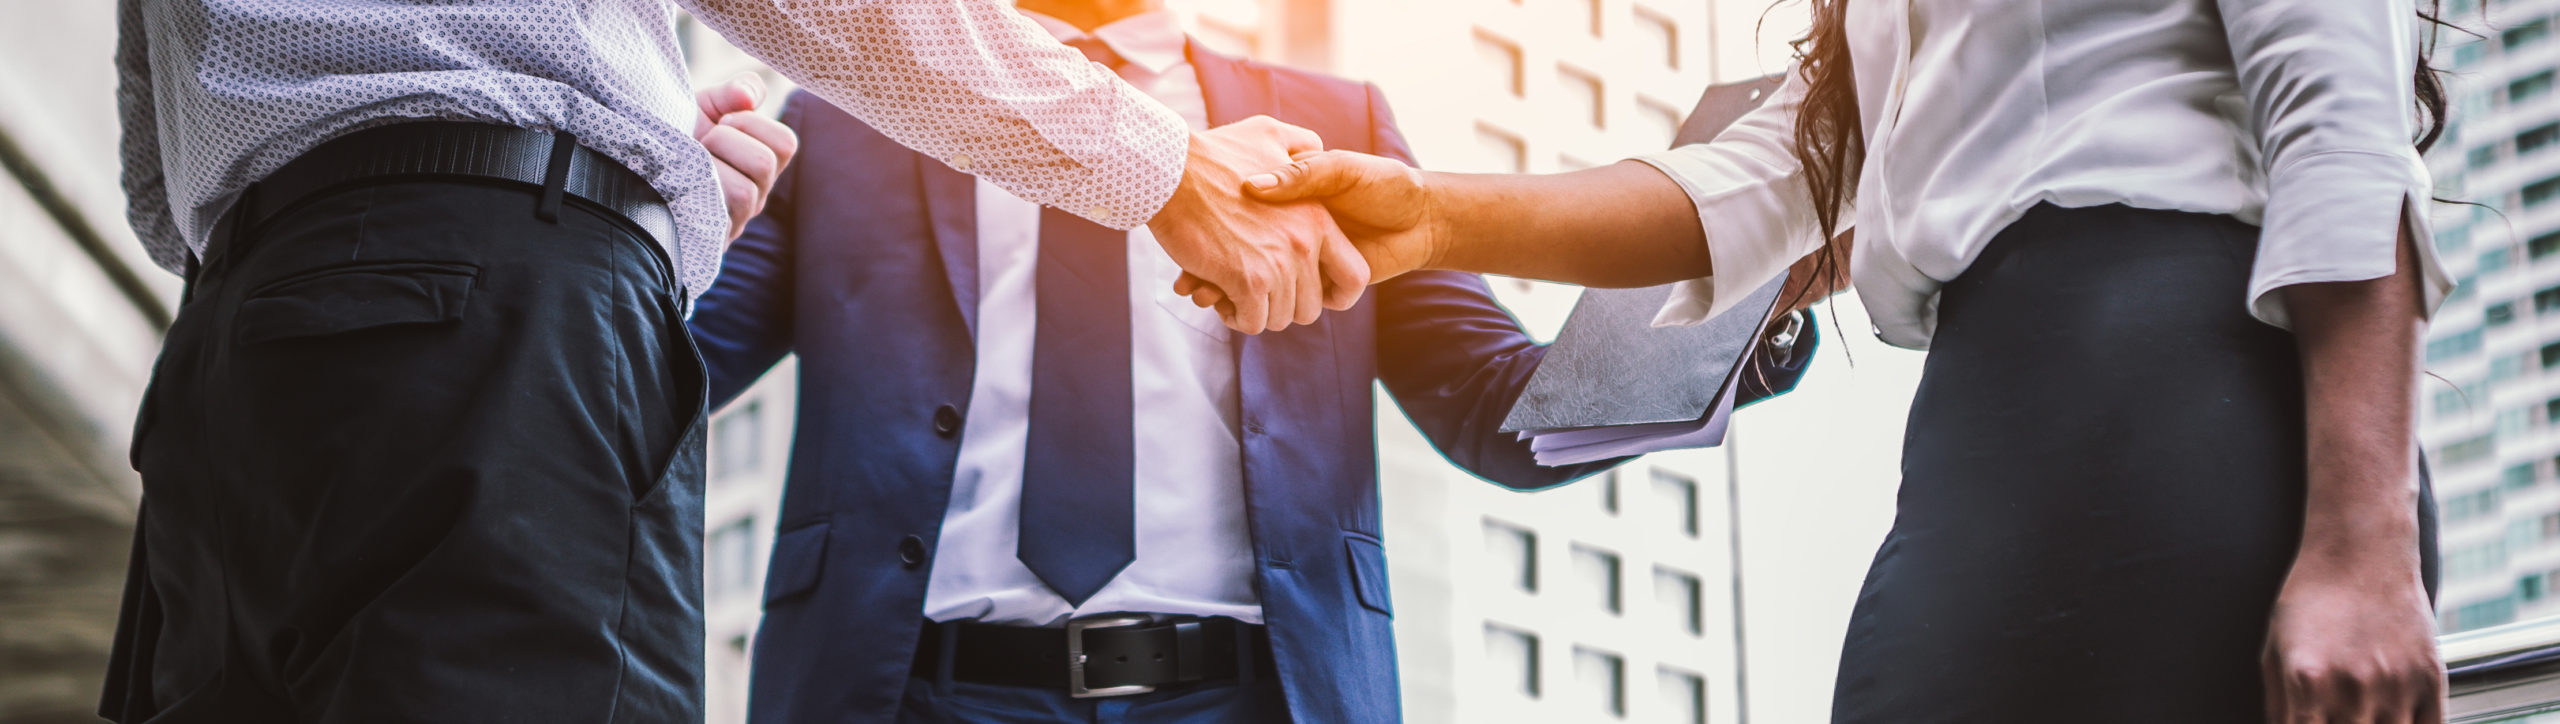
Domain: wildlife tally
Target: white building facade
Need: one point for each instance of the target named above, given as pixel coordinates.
(2491, 424)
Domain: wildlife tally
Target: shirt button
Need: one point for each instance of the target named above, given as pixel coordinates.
(911, 551)
(946, 421)
(960, 162)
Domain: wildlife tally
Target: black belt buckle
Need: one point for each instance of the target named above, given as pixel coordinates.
(1076, 656)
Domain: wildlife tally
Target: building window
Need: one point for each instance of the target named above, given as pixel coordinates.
(2515, 423)
(1659, 37)
(1677, 593)
(1598, 571)
(1678, 497)
(1585, 91)
(737, 442)
(2482, 615)
(1502, 58)
(2529, 87)
(1514, 553)
(2541, 192)
(1684, 695)
(2542, 246)
(2470, 505)
(1660, 120)
(2473, 450)
(2450, 401)
(1513, 653)
(2495, 260)
(2529, 588)
(2550, 355)
(1609, 492)
(2500, 314)
(2538, 138)
(2482, 157)
(1603, 677)
(729, 558)
(1503, 152)
(2517, 477)
(2468, 341)
(2525, 34)
(2546, 300)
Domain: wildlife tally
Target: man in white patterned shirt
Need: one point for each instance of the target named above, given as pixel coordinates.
(424, 443)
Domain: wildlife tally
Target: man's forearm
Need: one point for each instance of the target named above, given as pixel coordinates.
(973, 84)
(1621, 225)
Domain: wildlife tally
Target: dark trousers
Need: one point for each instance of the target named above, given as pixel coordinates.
(932, 701)
(413, 454)
(2103, 487)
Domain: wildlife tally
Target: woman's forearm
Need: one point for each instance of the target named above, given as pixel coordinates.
(1621, 225)
(2359, 359)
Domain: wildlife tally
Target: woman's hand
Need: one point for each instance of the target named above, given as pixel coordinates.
(1384, 206)
(2350, 641)
(2353, 642)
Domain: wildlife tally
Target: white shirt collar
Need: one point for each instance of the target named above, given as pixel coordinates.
(1152, 41)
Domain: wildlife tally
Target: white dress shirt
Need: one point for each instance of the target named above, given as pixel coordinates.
(247, 85)
(2293, 114)
(1194, 554)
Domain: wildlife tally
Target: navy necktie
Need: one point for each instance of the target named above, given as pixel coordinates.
(1078, 513)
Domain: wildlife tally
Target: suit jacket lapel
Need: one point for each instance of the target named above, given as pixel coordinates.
(951, 199)
(1230, 90)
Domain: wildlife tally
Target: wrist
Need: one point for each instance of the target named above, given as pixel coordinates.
(1435, 234)
(2374, 545)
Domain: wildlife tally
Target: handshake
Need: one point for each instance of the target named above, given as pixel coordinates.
(1271, 229)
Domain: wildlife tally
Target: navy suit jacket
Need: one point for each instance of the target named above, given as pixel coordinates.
(865, 264)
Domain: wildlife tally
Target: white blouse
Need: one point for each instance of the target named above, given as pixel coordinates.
(2297, 115)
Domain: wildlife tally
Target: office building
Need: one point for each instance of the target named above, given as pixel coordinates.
(2490, 417)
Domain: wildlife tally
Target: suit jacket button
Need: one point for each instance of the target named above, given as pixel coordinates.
(946, 421)
(911, 551)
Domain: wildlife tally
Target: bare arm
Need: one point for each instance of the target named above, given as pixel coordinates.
(1620, 225)
(2352, 626)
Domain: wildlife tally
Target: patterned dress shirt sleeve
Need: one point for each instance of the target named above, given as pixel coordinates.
(974, 84)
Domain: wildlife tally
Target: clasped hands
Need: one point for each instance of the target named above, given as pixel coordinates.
(1268, 223)
(1271, 229)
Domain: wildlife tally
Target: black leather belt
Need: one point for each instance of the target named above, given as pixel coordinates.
(1100, 656)
(430, 149)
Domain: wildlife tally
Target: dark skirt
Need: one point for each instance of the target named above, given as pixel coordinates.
(2102, 486)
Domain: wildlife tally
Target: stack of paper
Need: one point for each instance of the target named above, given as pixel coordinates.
(1615, 385)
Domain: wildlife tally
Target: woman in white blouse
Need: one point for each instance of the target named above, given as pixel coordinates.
(2167, 256)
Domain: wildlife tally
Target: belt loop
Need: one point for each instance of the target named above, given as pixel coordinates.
(1245, 656)
(949, 642)
(555, 178)
(1189, 652)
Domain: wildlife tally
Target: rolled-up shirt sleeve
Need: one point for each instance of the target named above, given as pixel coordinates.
(2331, 94)
(979, 87)
(1752, 200)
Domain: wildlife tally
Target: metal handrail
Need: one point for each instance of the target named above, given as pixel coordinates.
(2503, 672)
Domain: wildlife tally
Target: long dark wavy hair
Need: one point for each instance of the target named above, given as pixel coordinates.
(1830, 144)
